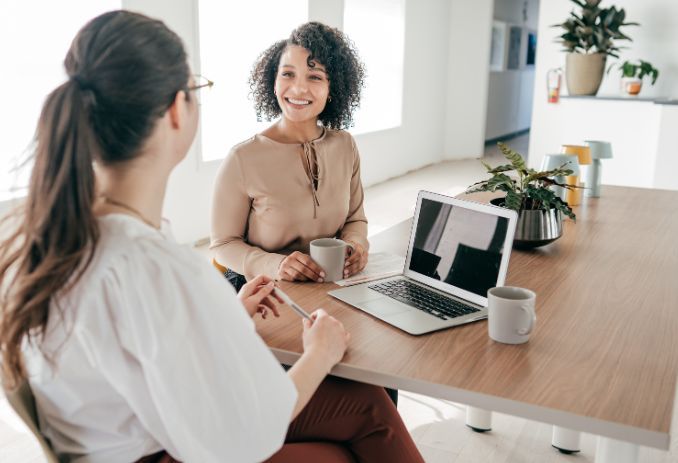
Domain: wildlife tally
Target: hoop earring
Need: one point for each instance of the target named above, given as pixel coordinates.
(329, 99)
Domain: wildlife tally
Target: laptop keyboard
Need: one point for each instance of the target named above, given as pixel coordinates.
(423, 299)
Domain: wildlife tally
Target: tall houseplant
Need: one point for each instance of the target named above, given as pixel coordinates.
(528, 192)
(588, 39)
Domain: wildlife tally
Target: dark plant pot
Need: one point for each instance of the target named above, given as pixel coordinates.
(535, 227)
(584, 73)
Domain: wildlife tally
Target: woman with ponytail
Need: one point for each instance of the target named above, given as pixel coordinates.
(136, 349)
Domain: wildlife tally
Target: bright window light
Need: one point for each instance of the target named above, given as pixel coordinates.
(382, 51)
(231, 39)
(34, 39)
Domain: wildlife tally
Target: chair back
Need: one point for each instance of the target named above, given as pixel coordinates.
(23, 403)
(219, 267)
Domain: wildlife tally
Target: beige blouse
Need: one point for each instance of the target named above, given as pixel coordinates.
(273, 198)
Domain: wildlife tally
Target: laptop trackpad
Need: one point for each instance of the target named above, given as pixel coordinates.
(383, 307)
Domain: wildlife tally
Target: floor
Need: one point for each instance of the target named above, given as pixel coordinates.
(436, 425)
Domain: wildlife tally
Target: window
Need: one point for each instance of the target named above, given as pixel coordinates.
(382, 50)
(231, 39)
(34, 38)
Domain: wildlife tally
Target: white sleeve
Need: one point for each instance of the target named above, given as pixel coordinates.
(191, 364)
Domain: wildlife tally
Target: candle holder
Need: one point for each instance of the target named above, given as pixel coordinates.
(599, 150)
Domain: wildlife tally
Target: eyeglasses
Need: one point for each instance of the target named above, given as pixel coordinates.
(199, 82)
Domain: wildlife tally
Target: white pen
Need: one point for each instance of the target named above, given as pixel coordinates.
(288, 300)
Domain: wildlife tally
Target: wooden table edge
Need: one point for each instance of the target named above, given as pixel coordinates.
(626, 433)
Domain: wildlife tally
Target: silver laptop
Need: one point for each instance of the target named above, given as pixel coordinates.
(458, 250)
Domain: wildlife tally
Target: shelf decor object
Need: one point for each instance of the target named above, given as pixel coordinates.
(583, 154)
(599, 150)
(632, 75)
(589, 38)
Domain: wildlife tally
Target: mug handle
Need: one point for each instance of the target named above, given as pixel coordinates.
(350, 246)
(529, 310)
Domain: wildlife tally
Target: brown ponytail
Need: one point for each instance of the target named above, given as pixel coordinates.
(124, 71)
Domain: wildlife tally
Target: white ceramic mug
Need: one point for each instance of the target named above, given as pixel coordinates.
(511, 315)
(330, 254)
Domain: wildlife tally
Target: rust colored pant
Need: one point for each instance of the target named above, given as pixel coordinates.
(344, 422)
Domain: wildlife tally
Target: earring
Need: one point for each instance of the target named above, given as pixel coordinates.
(274, 92)
(329, 99)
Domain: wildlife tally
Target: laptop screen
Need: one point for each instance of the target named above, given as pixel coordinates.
(458, 246)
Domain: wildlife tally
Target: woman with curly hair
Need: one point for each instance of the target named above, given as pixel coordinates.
(299, 179)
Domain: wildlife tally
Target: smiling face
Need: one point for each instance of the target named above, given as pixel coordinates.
(301, 89)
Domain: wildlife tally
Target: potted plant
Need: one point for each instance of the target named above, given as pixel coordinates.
(633, 74)
(539, 209)
(588, 39)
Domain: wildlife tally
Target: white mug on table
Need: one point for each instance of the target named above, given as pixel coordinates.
(330, 254)
(510, 313)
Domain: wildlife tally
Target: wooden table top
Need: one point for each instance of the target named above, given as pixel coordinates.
(604, 355)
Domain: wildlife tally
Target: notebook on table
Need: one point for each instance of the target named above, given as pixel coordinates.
(458, 249)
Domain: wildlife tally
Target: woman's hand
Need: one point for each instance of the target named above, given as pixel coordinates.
(325, 337)
(257, 296)
(356, 259)
(300, 267)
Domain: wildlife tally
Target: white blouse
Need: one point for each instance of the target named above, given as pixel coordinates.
(152, 350)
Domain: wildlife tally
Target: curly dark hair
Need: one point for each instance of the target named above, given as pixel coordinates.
(327, 46)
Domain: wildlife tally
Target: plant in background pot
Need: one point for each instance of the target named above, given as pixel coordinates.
(588, 39)
(539, 208)
(633, 74)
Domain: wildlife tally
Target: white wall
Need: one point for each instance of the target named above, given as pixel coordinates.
(655, 40)
(509, 106)
(667, 150)
(418, 141)
(509, 102)
(188, 200)
(470, 28)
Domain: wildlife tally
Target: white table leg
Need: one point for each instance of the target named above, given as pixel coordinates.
(566, 440)
(616, 451)
(478, 419)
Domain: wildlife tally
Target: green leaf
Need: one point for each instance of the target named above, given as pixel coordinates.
(482, 184)
(546, 199)
(516, 159)
(477, 189)
(563, 207)
(546, 175)
(513, 200)
(499, 181)
(499, 169)
(591, 29)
